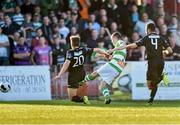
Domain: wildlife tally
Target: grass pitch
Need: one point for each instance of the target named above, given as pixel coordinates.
(66, 112)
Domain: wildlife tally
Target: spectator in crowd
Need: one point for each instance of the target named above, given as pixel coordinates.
(16, 36)
(8, 7)
(160, 12)
(146, 8)
(27, 7)
(112, 11)
(104, 21)
(13, 40)
(164, 31)
(126, 24)
(173, 24)
(58, 51)
(55, 33)
(73, 4)
(96, 6)
(4, 44)
(102, 18)
(66, 17)
(74, 21)
(140, 25)
(18, 18)
(96, 58)
(21, 52)
(103, 33)
(54, 20)
(36, 21)
(102, 12)
(73, 32)
(95, 25)
(28, 26)
(9, 27)
(160, 21)
(87, 32)
(92, 41)
(175, 48)
(134, 14)
(37, 10)
(47, 29)
(42, 54)
(47, 5)
(113, 27)
(2, 23)
(135, 54)
(63, 29)
(35, 40)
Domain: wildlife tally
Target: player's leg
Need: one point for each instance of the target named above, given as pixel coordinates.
(107, 74)
(105, 91)
(72, 94)
(152, 80)
(89, 77)
(72, 91)
(82, 91)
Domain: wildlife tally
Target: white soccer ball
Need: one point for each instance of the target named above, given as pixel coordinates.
(124, 83)
(5, 87)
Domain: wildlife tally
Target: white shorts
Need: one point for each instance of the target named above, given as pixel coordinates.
(107, 73)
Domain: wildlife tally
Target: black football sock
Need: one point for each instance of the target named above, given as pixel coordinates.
(153, 93)
(77, 99)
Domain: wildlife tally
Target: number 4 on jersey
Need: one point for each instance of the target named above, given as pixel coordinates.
(154, 41)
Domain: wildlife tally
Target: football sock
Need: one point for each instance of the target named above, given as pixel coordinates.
(77, 99)
(89, 77)
(105, 92)
(153, 92)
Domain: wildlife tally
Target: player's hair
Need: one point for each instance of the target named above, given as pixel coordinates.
(116, 34)
(75, 40)
(151, 26)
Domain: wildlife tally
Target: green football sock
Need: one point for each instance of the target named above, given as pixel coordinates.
(105, 92)
(88, 77)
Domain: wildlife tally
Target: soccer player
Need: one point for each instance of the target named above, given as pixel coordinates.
(74, 62)
(112, 69)
(156, 47)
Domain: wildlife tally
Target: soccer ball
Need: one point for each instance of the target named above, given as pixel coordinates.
(124, 83)
(5, 87)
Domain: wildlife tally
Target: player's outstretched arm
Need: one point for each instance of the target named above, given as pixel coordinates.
(130, 46)
(63, 69)
(100, 51)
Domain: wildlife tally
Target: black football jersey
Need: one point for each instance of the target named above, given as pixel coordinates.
(154, 44)
(77, 58)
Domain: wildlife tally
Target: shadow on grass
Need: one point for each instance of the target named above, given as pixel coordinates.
(98, 103)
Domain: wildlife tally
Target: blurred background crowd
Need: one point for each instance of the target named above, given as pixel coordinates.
(37, 32)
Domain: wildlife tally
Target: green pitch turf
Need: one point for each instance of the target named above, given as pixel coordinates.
(66, 112)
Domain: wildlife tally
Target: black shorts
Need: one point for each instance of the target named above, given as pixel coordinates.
(74, 79)
(155, 69)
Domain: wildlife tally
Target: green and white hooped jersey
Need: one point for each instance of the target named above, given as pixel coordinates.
(118, 56)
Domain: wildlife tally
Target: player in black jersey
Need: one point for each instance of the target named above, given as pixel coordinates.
(74, 63)
(156, 47)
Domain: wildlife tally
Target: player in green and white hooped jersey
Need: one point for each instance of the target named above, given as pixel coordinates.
(112, 69)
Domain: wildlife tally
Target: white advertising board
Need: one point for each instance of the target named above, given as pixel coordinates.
(27, 82)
